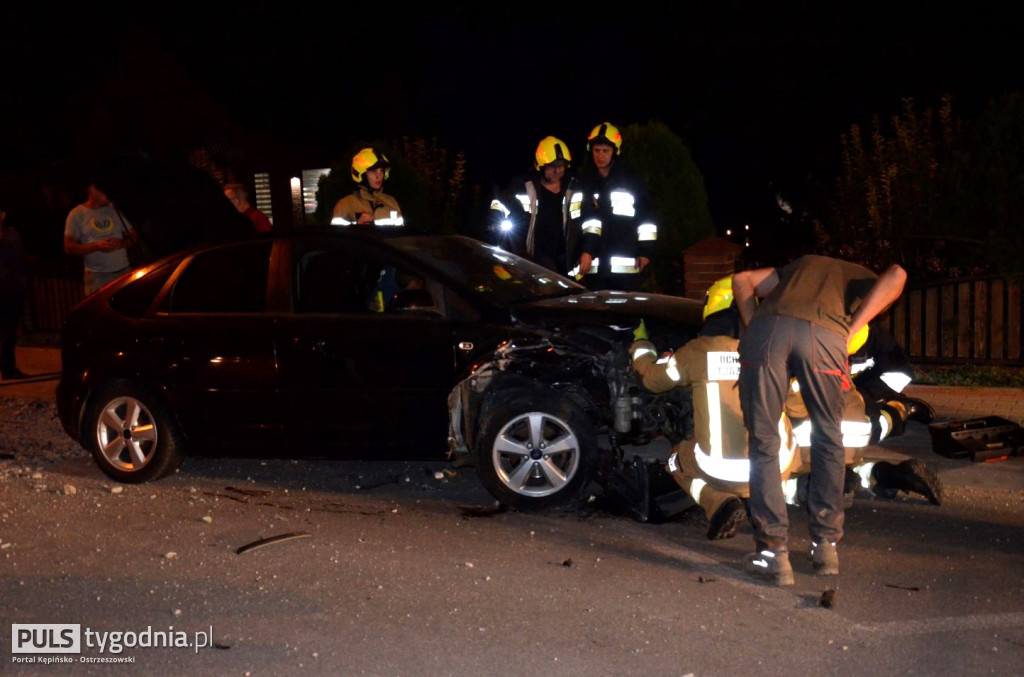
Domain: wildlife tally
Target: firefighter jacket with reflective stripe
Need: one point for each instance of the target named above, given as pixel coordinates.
(519, 203)
(710, 366)
(881, 368)
(622, 215)
(382, 207)
(855, 426)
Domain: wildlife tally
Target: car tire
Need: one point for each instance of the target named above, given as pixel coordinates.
(537, 450)
(130, 435)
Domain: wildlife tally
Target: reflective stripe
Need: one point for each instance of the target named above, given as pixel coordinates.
(623, 203)
(731, 469)
(672, 369)
(855, 433)
(862, 366)
(591, 227)
(499, 206)
(624, 264)
(640, 352)
(696, 487)
(895, 380)
(394, 220)
(524, 201)
(864, 470)
(885, 425)
(789, 488)
(575, 205)
(725, 469)
(646, 232)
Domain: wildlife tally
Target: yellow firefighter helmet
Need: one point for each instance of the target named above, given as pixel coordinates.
(857, 341)
(551, 149)
(367, 159)
(605, 132)
(719, 296)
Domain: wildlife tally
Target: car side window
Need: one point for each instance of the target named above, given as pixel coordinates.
(136, 297)
(335, 281)
(230, 279)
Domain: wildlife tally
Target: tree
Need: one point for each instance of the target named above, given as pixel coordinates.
(920, 192)
(992, 178)
(678, 195)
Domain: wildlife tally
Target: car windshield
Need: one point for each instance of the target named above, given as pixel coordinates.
(490, 272)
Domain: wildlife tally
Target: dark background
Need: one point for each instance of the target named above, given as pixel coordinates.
(761, 92)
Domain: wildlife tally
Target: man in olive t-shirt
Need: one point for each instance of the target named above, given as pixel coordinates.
(800, 330)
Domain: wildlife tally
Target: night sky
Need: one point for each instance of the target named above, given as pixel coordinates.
(759, 91)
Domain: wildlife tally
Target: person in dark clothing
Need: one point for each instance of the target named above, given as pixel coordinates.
(622, 216)
(538, 215)
(801, 329)
(13, 289)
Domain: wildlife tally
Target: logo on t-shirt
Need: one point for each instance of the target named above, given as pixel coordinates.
(104, 226)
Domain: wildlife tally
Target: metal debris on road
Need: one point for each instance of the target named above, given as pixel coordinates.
(271, 541)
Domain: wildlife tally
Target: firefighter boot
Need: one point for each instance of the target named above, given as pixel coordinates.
(912, 476)
(770, 565)
(725, 520)
(918, 410)
(825, 558)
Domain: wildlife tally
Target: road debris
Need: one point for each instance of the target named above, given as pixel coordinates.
(282, 538)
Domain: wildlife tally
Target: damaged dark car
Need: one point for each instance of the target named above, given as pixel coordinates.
(350, 346)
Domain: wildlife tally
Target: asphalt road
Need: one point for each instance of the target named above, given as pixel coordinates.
(409, 569)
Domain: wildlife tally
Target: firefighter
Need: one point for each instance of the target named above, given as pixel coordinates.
(712, 467)
(718, 490)
(368, 204)
(622, 216)
(874, 412)
(881, 370)
(539, 214)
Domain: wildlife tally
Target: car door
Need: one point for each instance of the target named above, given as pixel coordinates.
(210, 345)
(361, 375)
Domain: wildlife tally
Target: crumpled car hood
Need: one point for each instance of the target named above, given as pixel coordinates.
(624, 309)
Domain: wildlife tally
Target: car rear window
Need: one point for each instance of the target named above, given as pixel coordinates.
(230, 279)
(135, 298)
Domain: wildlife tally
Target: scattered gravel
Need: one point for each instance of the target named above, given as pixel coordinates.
(30, 433)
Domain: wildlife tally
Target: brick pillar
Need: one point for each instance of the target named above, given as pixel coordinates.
(707, 261)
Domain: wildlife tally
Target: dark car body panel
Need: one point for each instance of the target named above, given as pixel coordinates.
(248, 354)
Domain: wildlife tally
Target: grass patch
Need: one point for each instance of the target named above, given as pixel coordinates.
(969, 375)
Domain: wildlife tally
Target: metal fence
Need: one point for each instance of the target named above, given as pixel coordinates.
(973, 320)
(49, 300)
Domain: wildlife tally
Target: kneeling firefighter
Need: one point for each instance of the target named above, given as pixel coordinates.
(713, 468)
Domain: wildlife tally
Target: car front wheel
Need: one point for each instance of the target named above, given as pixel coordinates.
(130, 435)
(536, 450)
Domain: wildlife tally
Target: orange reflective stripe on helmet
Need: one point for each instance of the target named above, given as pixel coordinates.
(367, 159)
(551, 149)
